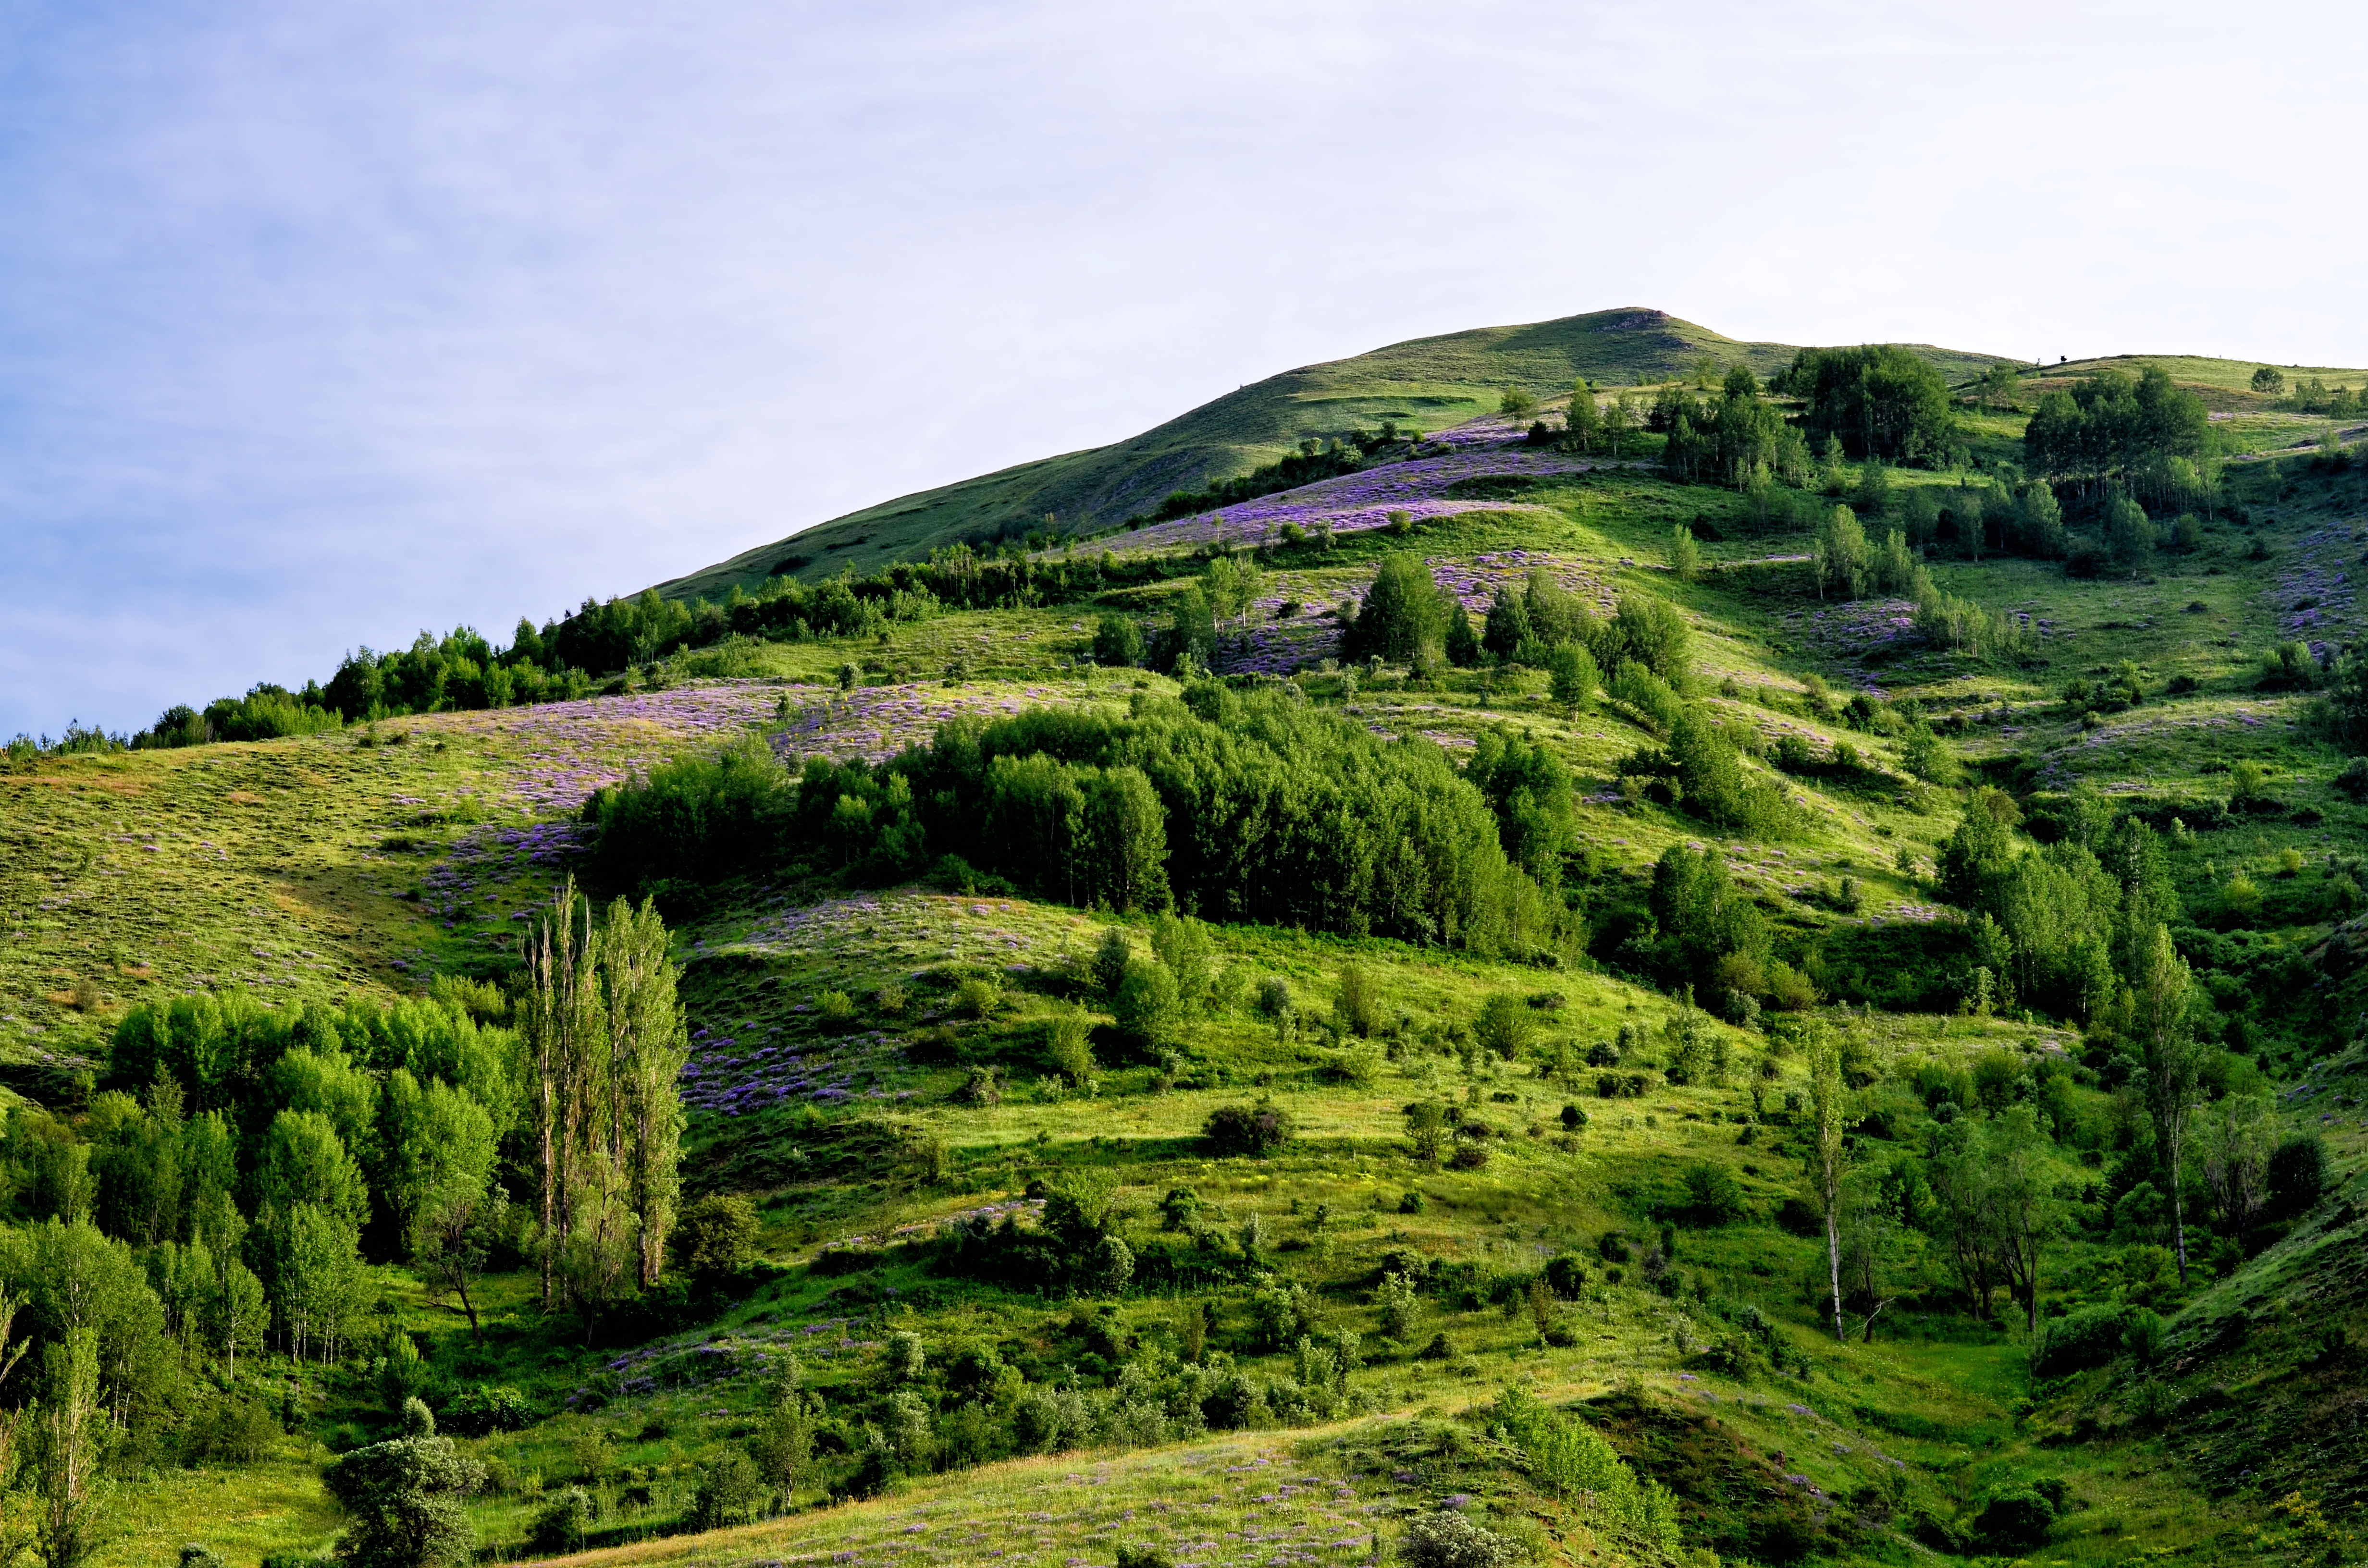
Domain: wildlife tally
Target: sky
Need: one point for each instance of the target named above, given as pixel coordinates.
(323, 324)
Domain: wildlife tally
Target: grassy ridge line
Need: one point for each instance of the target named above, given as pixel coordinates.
(1428, 382)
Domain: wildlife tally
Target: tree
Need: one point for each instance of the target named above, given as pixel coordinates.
(452, 1202)
(783, 1445)
(2270, 381)
(718, 1235)
(1146, 1002)
(648, 1045)
(603, 1029)
(1191, 630)
(404, 1498)
(312, 1201)
(2129, 533)
(1232, 584)
(1516, 404)
(1582, 422)
(2173, 1061)
(2237, 1137)
(69, 1443)
(1425, 1122)
(1574, 675)
(1881, 401)
(1402, 612)
(1996, 389)
(1619, 421)
(1685, 555)
(2011, 1149)
(1829, 1101)
(1839, 559)
(1118, 641)
(1507, 626)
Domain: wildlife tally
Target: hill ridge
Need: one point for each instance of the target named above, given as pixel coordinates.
(1449, 377)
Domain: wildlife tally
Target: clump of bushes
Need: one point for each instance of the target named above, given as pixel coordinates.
(1251, 1130)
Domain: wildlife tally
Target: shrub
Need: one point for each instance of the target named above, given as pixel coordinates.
(1146, 1002)
(1358, 1009)
(1109, 962)
(1448, 1540)
(977, 997)
(2014, 1520)
(835, 1008)
(2076, 1341)
(562, 1522)
(1144, 1557)
(2297, 1174)
(486, 1408)
(1504, 1026)
(1070, 1045)
(1468, 1157)
(2144, 1335)
(728, 1491)
(1118, 641)
(1712, 1195)
(717, 1234)
(1274, 997)
(1252, 1131)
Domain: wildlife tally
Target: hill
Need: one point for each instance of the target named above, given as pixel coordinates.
(1190, 1060)
(1427, 384)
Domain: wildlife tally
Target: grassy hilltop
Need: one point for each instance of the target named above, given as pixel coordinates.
(1365, 1022)
(1427, 384)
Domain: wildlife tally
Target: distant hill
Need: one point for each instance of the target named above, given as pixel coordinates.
(1428, 382)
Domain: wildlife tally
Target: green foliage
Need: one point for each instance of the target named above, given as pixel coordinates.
(1118, 641)
(1254, 1132)
(1146, 1004)
(1574, 675)
(1879, 400)
(403, 1498)
(1448, 1540)
(2145, 435)
(1568, 1460)
(1504, 1026)
(1402, 614)
(716, 1234)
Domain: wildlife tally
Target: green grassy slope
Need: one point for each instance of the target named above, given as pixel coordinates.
(358, 861)
(1427, 383)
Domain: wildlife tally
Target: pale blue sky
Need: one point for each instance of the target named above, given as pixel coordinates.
(322, 324)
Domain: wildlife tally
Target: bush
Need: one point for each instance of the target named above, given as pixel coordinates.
(2298, 1176)
(1448, 1540)
(1504, 1026)
(488, 1408)
(1109, 962)
(563, 1523)
(1069, 1043)
(2014, 1520)
(728, 1491)
(1358, 1009)
(1118, 641)
(716, 1236)
(1251, 1130)
(2090, 1337)
(1146, 1002)
(1712, 1195)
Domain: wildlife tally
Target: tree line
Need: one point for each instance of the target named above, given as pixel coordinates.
(1241, 806)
